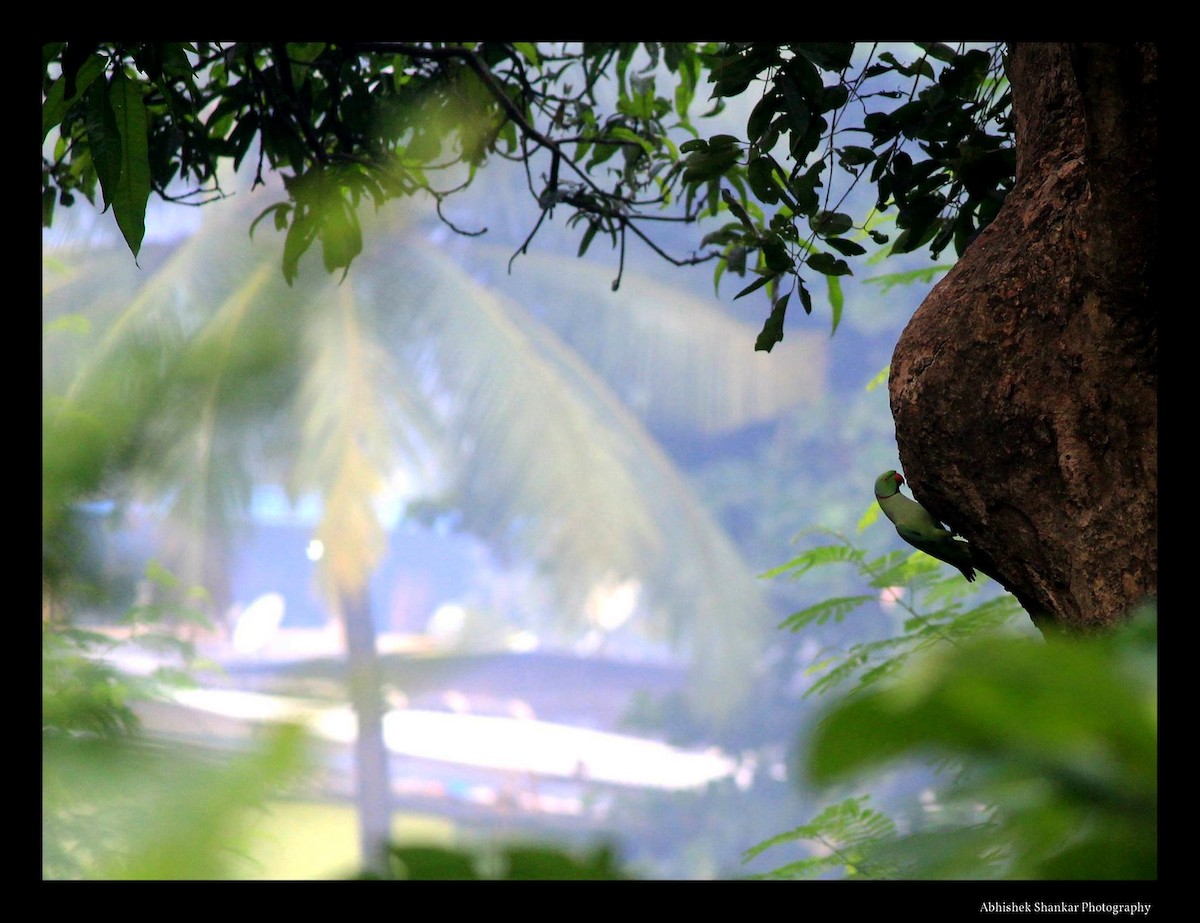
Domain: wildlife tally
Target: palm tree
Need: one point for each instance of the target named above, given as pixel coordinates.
(203, 374)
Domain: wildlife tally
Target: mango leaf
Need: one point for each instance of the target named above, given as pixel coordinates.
(755, 285)
(828, 264)
(855, 155)
(938, 50)
(846, 247)
(735, 207)
(831, 56)
(836, 301)
(341, 235)
(709, 163)
(622, 133)
(133, 190)
(775, 254)
(104, 139)
(772, 331)
(300, 236)
(57, 102)
(805, 299)
(831, 223)
(760, 175)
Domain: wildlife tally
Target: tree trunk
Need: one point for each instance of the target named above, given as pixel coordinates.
(1024, 389)
(372, 793)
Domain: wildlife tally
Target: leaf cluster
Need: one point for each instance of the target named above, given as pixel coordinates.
(1054, 744)
(132, 809)
(935, 604)
(1059, 740)
(97, 768)
(592, 124)
(844, 835)
(83, 694)
(938, 151)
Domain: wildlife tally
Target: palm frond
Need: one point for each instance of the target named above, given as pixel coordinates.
(678, 360)
(334, 387)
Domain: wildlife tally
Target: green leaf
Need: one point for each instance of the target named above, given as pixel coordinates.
(755, 285)
(710, 163)
(734, 206)
(157, 573)
(772, 331)
(56, 103)
(760, 173)
(914, 238)
(920, 66)
(842, 830)
(855, 155)
(872, 512)
(50, 51)
(829, 223)
(833, 97)
(796, 113)
(341, 235)
(299, 238)
(104, 140)
(729, 233)
(805, 299)
(622, 133)
(827, 264)
(830, 56)
(1014, 699)
(49, 197)
(815, 557)
(924, 275)
(880, 378)
(529, 52)
(586, 240)
(175, 64)
(937, 50)
(761, 116)
(836, 608)
(803, 188)
(846, 247)
(836, 301)
(775, 254)
(133, 191)
(279, 210)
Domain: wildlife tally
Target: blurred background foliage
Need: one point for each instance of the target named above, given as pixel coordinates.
(1054, 749)
(172, 388)
(1046, 751)
(188, 382)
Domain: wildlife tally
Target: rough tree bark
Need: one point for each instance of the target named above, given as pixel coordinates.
(1024, 389)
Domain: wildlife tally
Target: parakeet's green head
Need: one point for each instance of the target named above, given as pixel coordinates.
(888, 483)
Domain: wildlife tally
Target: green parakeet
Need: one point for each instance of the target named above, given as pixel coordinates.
(916, 526)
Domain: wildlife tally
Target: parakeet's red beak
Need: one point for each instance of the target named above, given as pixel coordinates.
(899, 478)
